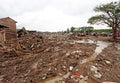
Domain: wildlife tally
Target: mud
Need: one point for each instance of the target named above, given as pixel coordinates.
(54, 58)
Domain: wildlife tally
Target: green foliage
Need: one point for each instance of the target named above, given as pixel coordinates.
(80, 29)
(72, 29)
(96, 19)
(87, 29)
(109, 15)
(23, 28)
(68, 30)
(102, 30)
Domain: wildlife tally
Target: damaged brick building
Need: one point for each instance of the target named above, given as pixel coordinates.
(7, 29)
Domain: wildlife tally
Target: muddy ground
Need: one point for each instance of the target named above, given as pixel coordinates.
(35, 59)
(107, 64)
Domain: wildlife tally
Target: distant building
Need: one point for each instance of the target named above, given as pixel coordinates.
(7, 29)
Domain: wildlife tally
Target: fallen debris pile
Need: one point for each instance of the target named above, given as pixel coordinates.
(37, 58)
(33, 58)
(104, 69)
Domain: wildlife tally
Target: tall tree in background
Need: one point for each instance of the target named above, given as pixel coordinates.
(68, 30)
(72, 29)
(87, 28)
(110, 15)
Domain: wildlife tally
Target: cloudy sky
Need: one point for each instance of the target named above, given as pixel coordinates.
(50, 15)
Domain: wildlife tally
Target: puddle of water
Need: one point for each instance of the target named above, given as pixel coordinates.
(118, 46)
(80, 41)
(86, 41)
(57, 78)
(100, 46)
(53, 79)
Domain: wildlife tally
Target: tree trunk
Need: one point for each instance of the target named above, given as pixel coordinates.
(114, 34)
(115, 26)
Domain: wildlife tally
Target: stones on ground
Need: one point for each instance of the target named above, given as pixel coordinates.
(83, 79)
(1, 78)
(108, 62)
(80, 53)
(60, 81)
(71, 68)
(76, 54)
(67, 54)
(93, 68)
(77, 70)
(44, 76)
(109, 82)
(79, 78)
(48, 60)
(96, 73)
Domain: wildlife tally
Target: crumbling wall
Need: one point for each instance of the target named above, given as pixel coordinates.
(2, 36)
(8, 22)
(9, 27)
(10, 35)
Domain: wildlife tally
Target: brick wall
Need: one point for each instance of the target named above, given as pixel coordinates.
(2, 36)
(10, 35)
(8, 22)
(10, 31)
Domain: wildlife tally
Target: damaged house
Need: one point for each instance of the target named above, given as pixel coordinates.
(7, 29)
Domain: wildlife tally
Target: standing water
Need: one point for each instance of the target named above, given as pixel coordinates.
(100, 46)
(118, 46)
(57, 78)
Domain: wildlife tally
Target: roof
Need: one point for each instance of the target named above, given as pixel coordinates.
(8, 18)
(7, 21)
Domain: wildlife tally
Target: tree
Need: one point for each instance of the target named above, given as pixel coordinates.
(68, 30)
(110, 15)
(87, 29)
(24, 30)
(72, 29)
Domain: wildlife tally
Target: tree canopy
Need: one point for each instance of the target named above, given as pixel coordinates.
(109, 15)
(86, 28)
(72, 29)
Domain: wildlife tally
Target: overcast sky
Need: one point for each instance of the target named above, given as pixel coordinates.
(50, 15)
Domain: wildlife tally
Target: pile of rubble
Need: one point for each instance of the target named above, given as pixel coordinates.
(36, 58)
(104, 69)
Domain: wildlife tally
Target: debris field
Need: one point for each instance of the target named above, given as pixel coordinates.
(45, 57)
